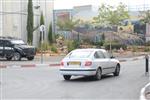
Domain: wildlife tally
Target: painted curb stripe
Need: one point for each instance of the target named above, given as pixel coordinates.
(32, 65)
(122, 60)
(54, 65)
(3, 66)
(28, 66)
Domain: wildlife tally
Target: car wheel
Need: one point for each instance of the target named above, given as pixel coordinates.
(9, 58)
(17, 56)
(67, 77)
(98, 74)
(117, 71)
(30, 58)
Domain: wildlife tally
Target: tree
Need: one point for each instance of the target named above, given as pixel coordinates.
(145, 17)
(50, 34)
(42, 19)
(67, 25)
(109, 15)
(103, 37)
(30, 22)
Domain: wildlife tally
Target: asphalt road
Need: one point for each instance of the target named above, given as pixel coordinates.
(46, 83)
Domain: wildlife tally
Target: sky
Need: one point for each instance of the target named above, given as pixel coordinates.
(68, 4)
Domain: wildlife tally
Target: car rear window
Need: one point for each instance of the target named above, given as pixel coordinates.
(80, 54)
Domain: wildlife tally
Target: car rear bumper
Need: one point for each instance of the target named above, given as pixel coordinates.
(78, 72)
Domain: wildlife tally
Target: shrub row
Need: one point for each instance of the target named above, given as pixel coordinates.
(115, 46)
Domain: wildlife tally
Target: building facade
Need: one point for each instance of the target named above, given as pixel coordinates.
(1, 28)
(13, 17)
(61, 15)
(84, 13)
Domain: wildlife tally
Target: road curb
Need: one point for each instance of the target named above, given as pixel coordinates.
(123, 60)
(138, 58)
(57, 64)
(131, 59)
(30, 65)
(3, 66)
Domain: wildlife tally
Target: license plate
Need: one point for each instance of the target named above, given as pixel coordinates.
(74, 63)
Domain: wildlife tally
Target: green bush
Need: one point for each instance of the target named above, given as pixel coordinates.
(101, 43)
(147, 43)
(54, 49)
(115, 46)
(134, 49)
(86, 41)
(45, 46)
(147, 49)
(71, 45)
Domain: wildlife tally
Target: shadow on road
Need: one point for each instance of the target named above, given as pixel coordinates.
(89, 78)
(22, 60)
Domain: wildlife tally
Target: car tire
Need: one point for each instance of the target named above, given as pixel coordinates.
(30, 58)
(117, 71)
(67, 77)
(17, 56)
(8, 58)
(98, 75)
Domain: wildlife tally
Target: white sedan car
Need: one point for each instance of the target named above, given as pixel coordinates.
(89, 62)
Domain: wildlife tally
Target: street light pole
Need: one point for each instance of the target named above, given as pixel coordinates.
(42, 31)
(41, 47)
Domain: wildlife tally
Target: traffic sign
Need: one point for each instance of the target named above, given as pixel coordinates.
(42, 28)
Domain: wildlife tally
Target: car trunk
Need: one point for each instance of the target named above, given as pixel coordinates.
(75, 63)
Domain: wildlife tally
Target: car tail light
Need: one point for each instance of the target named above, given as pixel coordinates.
(88, 63)
(62, 63)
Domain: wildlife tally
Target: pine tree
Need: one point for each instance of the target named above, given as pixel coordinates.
(30, 22)
(42, 19)
(50, 34)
